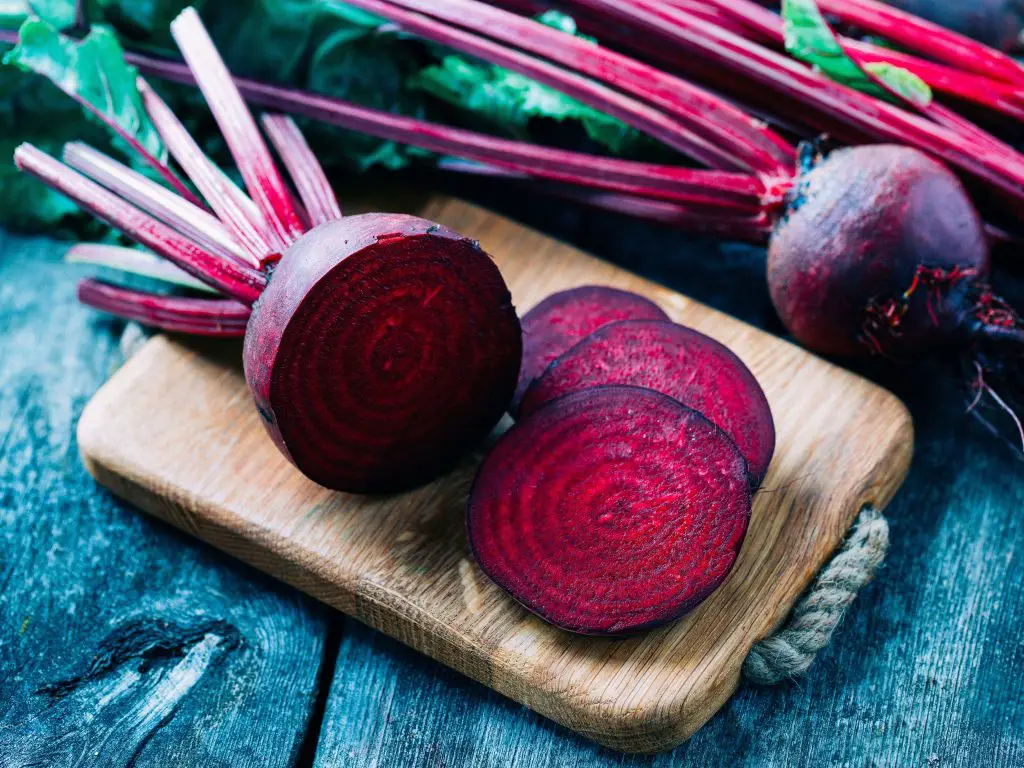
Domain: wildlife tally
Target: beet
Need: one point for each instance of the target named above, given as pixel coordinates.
(383, 349)
(881, 251)
(379, 348)
(563, 318)
(677, 361)
(997, 23)
(610, 510)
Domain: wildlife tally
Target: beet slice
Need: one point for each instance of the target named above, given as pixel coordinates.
(384, 348)
(680, 362)
(563, 318)
(610, 510)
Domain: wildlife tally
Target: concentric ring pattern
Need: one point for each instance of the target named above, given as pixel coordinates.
(610, 510)
(395, 363)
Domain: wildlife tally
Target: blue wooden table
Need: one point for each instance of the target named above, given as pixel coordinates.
(124, 643)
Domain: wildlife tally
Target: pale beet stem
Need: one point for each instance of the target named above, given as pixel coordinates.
(178, 314)
(252, 157)
(225, 275)
(133, 261)
(231, 205)
(305, 170)
(706, 127)
(158, 201)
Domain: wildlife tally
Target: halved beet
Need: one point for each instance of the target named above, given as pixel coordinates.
(610, 510)
(563, 318)
(384, 348)
(680, 362)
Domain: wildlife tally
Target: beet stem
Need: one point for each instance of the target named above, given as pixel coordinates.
(250, 152)
(231, 204)
(134, 261)
(306, 172)
(201, 317)
(662, 182)
(723, 223)
(736, 190)
(651, 121)
(983, 90)
(164, 172)
(226, 276)
(924, 37)
(193, 222)
(861, 111)
(758, 148)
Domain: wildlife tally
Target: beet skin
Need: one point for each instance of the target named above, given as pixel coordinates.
(563, 318)
(880, 251)
(610, 510)
(383, 349)
(677, 361)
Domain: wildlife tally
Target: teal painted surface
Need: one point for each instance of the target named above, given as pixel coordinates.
(926, 670)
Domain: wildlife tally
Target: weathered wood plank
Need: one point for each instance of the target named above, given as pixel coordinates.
(925, 671)
(122, 642)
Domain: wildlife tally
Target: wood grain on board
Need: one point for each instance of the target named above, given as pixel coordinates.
(175, 432)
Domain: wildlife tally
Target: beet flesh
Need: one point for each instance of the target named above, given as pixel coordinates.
(677, 361)
(866, 226)
(997, 23)
(563, 318)
(610, 510)
(384, 348)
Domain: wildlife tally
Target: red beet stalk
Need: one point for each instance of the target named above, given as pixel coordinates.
(749, 61)
(924, 37)
(984, 91)
(199, 317)
(714, 119)
(664, 182)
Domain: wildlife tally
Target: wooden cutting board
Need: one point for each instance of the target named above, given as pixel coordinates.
(175, 432)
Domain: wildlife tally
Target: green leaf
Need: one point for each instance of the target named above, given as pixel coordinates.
(902, 82)
(809, 39)
(32, 109)
(59, 13)
(510, 101)
(141, 17)
(358, 62)
(94, 73)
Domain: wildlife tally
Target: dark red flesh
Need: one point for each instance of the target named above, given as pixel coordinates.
(863, 229)
(383, 349)
(610, 510)
(563, 318)
(677, 361)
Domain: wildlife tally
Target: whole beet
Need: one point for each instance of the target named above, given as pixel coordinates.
(881, 251)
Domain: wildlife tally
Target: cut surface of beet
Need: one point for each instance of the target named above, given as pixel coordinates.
(383, 349)
(677, 361)
(610, 510)
(563, 318)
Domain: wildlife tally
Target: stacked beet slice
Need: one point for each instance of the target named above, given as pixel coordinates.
(620, 498)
